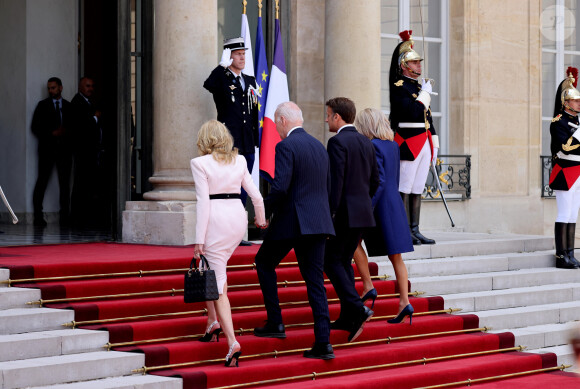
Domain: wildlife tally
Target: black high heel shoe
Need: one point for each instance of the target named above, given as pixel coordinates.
(232, 357)
(371, 294)
(407, 311)
(210, 335)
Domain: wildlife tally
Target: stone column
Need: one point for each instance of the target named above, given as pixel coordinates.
(185, 41)
(353, 51)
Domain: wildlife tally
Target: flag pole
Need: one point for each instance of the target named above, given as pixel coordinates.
(244, 3)
(277, 9)
(259, 8)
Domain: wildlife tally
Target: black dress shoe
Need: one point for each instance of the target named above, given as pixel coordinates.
(358, 325)
(320, 351)
(270, 330)
(246, 243)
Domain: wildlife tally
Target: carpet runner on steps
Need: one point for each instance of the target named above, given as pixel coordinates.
(165, 329)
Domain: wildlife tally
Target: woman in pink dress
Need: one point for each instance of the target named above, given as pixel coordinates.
(219, 173)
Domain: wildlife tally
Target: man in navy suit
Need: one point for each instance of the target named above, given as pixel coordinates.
(301, 220)
(51, 125)
(355, 179)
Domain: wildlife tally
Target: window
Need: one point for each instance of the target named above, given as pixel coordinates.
(399, 15)
(559, 38)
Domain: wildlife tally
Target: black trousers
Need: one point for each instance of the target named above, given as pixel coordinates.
(48, 157)
(338, 268)
(309, 251)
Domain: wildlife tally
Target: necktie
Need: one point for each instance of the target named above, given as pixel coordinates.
(58, 118)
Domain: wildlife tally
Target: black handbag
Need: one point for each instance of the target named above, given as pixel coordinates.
(200, 285)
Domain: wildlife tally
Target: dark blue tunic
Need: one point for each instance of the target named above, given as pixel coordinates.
(391, 235)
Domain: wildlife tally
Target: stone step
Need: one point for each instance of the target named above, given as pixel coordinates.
(22, 320)
(467, 244)
(511, 318)
(548, 335)
(68, 368)
(471, 264)
(464, 283)
(565, 355)
(513, 297)
(51, 343)
(126, 382)
(18, 297)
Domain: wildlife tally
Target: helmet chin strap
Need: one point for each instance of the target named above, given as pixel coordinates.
(571, 109)
(411, 70)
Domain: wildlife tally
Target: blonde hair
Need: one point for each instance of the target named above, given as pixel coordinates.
(215, 139)
(373, 123)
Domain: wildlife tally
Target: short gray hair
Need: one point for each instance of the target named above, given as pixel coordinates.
(290, 111)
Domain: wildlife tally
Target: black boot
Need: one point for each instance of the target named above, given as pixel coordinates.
(571, 238)
(405, 198)
(415, 211)
(560, 239)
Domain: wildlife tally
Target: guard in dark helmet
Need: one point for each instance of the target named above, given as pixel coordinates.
(565, 147)
(414, 131)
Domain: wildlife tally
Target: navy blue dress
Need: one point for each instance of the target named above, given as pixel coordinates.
(391, 234)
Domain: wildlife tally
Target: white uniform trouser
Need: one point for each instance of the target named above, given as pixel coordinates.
(413, 174)
(568, 202)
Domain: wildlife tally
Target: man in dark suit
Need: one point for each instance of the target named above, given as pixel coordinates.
(88, 156)
(355, 179)
(51, 125)
(301, 220)
(236, 101)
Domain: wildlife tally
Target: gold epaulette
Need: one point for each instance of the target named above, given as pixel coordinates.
(556, 118)
(399, 83)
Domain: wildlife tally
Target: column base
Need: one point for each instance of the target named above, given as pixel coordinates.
(159, 222)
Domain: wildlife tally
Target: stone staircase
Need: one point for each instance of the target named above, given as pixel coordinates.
(509, 281)
(36, 352)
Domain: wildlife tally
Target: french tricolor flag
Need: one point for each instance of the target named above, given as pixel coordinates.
(277, 94)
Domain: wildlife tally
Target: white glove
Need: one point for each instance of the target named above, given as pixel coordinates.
(226, 58)
(434, 160)
(427, 86)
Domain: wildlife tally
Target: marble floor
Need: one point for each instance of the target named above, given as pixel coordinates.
(22, 234)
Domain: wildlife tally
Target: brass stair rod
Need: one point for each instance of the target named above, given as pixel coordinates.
(289, 303)
(423, 361)
(109, 345)
(171, 291)
(139, 273)
(313, 376)
(470, 381)
(74, 324)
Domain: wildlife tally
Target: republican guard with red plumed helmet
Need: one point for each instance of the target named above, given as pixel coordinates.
(565, 148)
(413, 125)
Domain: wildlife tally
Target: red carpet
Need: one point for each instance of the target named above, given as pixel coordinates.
(140, 307)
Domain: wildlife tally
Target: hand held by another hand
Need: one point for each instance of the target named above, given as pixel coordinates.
(261, 226)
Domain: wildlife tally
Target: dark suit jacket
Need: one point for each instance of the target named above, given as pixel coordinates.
(44, 122)
(355, 178)
(298, 198)
(233, 109)
(87, 137)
